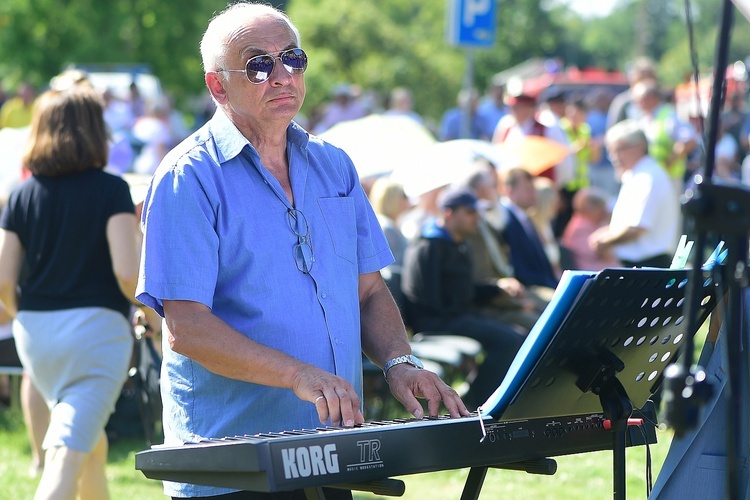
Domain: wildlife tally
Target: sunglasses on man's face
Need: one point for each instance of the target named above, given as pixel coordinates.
(258, 69)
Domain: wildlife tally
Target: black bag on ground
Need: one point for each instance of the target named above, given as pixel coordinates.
(138, 409)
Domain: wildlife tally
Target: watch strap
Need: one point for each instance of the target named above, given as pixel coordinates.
(399, 360)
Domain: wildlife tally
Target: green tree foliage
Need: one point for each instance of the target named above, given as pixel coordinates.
(388, 43)
(706, 18)
(38, 38)
(377, 44)
(654, 28)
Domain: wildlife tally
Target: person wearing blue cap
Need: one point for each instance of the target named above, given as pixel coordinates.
(441, 295)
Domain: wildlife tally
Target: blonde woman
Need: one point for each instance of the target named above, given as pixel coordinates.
(389, 201)
(542, 213)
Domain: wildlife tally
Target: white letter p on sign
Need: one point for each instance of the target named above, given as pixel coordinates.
(474, 8)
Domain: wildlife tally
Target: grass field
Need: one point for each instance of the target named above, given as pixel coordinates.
(587, 475)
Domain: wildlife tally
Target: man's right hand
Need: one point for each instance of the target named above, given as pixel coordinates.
(334, 398)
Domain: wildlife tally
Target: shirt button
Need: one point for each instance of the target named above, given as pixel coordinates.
(323, 295)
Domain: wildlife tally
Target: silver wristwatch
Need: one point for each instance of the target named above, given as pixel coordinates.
(408, 358)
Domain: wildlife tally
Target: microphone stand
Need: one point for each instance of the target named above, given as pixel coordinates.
(723, 210)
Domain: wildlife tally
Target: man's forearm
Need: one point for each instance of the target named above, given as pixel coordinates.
(383, 332)
(195, 332)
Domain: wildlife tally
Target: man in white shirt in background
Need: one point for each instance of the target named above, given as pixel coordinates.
(644, 224)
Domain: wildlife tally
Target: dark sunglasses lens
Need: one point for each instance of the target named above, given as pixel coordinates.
(259, 68)
(295, 60)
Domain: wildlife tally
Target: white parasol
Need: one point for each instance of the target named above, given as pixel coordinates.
(441, 164)
(376, 143)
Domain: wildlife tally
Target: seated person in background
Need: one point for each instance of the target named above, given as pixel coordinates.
(527, 255)
(544, 214)
(389, 201)
(441, 295)
(590, 212)
(514, 305)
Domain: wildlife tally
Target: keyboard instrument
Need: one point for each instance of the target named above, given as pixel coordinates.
(333, 456)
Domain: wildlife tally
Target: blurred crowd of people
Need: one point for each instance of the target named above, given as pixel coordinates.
(141, 129)
(479, 256)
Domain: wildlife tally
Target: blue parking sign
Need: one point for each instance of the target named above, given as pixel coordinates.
(472, 22)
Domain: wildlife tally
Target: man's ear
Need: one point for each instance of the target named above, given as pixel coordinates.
(216, 87)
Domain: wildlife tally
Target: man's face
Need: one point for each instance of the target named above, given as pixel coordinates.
(464, 221)
(557, 107)
(647, 101)
(523, 111)
(523, 193)
(277, 99)
(624, 156)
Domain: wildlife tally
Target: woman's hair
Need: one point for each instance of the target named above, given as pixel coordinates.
(387, 197)
(68, 133)
(547, 200)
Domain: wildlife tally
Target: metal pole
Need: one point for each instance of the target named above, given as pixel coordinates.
(466, 115)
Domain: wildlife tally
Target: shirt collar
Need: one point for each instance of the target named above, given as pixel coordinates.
(230, 141)
(519, 212)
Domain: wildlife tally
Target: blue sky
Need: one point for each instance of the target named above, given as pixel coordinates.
(591, 7)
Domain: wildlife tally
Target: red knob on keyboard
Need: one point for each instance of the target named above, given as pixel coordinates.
(607, 424)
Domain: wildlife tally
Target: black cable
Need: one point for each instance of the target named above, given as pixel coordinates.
(696, 72)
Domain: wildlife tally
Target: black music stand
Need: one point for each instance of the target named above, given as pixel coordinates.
(601, 345)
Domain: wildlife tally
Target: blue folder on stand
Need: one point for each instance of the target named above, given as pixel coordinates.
(630, 321)
(537, 340)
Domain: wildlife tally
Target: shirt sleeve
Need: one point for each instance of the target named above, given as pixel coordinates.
(180, 246)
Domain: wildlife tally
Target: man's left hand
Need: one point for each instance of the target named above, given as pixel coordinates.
(409, 383)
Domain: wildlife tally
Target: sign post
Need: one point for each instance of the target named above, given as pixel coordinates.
(471, 24)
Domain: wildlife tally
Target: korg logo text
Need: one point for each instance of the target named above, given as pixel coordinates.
(308, 461)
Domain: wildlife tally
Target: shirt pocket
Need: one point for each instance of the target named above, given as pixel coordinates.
(340, 218)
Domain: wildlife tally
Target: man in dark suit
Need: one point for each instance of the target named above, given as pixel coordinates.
(530, 262)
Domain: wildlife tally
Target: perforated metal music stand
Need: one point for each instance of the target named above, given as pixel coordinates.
(606, 352)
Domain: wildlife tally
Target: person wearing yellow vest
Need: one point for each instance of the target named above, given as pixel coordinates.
(670, 139)
(16, 112)
(584, 151)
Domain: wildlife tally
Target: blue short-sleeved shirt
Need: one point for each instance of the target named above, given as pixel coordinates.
(216, 231)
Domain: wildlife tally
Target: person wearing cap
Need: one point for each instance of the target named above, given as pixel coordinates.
(553, 107)
(522, 121)
(441, 295)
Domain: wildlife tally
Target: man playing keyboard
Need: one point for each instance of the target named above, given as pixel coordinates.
(262, 254)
